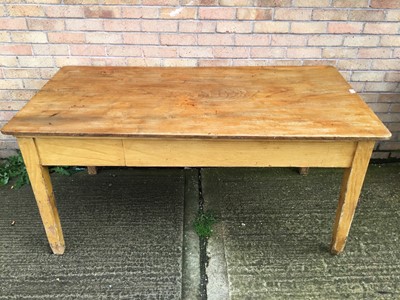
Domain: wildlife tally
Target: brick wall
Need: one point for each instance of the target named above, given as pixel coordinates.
(360, 37)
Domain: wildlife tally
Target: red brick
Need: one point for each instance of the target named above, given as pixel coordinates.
(64, 11)
(178, 13)
(308, 27)
(46, 24)
(254, 14)
(273, 3)
(390, 41)
(330, 14)
(271, 27)
(200, 2)
(252, 40)
(159, 25)
(385, 4)
(268, 52)
(217, 13)
(215, 39)
(319, 62)
(124, 2)
(396, 53)
(4, 37)
(392, 76)
(374, 53)
(28, 37)
(288, 40)
(36, 62)
(47, 73)
(351, 64)
(195, 52)
(171, 62)
(16, 95)
(339, 27)
(108, 61)
(197, 26)
(144, 62)
(62, 61)
(395, 107)
(393, 15)
(87, 50)
(367, 15)
(338, 52)
(304, 52)
(312, 3)
(161, 2)
(124, 50)
(392, 98)
(15, 49)
(292, 14)
(12, 24)
(84, 24)
(22, 10)
(66, 37)
(11, 84)
(363, 41)
(379, 107)
(381, 28)
(230, 52)
(237, 27)
(325, 40)
(135, 12)
(350, 3)
(236, 2)
(122, 25)
(102, 12)
(8, 61)
(141, 38)
(19, 73)
(367, 76)
(11, 105)
(177, 39)
(160, 51)
(386, 64)
(214, 62)
(34, 84)
(103, 38)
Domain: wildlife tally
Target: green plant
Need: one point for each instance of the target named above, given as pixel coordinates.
(14, 169)
(203, 223)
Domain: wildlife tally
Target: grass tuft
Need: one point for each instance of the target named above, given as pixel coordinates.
(203, 224)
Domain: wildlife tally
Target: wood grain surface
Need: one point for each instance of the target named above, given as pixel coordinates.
(223, 102)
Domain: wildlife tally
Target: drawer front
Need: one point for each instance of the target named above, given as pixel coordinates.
(80, 151)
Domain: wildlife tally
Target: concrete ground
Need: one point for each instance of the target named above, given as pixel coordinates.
(129, 236)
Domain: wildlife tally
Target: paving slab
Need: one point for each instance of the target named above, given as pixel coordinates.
(274, 231)
(123, 230)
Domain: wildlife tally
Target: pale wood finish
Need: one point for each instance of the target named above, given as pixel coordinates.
(80, 152)
(42, 188)
(92, 170)
(350, 192)
(237, 153)
(243, 116)
(304, 171)
(194, 153)
(310, 102)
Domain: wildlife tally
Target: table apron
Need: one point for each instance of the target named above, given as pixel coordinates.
(193, 152)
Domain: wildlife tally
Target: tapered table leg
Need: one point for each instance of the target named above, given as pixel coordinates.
(92, 170)
(43, 191)
(304, 171)
(350, 192)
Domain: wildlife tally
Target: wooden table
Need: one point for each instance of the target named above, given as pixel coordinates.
(198, 117)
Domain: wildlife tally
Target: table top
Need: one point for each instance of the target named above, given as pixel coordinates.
(313, 102)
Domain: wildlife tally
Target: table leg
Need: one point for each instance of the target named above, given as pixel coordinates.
(42, 188)
(350, 191)
(304, 171)
(92, 170)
